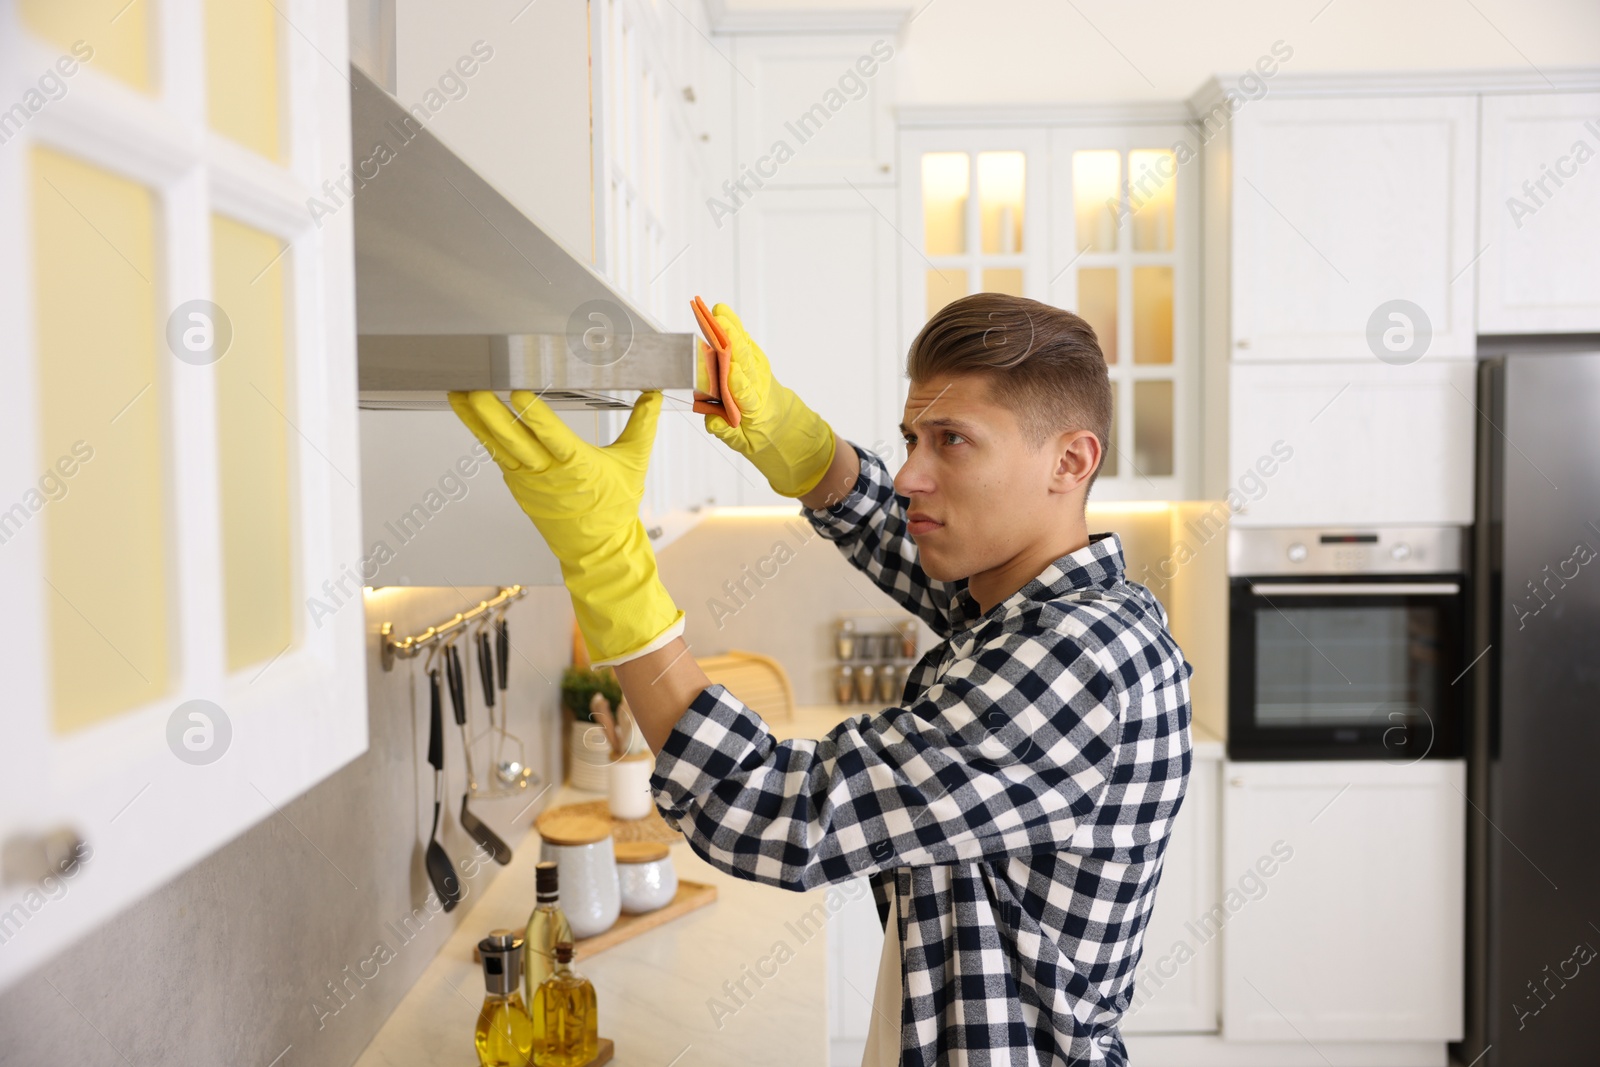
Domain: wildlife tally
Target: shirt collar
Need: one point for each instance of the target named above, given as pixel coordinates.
(1098, 565)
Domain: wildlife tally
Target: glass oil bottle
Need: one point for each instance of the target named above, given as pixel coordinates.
(547, 927)
(566, 1031)
(504, 1035)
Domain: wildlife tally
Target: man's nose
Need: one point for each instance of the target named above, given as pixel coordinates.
(913, 478)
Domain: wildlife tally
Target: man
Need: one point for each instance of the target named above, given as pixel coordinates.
(1014, 812)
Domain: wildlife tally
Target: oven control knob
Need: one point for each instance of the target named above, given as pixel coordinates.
(1400, 551)
(1297, 553)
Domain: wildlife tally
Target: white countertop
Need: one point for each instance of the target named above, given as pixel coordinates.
(655, 991)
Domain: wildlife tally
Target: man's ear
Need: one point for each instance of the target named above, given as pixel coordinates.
(1077, 456)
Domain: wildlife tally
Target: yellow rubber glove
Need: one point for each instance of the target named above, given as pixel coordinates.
(785, 439)
(585, 502)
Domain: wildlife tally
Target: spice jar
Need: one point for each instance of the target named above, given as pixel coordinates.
(844, 642)
(907, 629)
(844, 683)
(888, 683)
(866, 678)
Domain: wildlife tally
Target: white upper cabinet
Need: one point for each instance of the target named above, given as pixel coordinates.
(1342, 207)
(184, 633)
(1352, 444)
(1098, 219)
(505, 84)
(816, 109)
(1539, 216)
(1123, 253)
(806, 250)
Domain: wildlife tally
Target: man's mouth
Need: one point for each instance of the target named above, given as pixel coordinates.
(919, 523)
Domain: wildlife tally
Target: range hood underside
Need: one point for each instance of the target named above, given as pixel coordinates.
(413, 372)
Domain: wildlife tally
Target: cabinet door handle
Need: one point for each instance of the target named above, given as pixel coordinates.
(1236, 782)
(1243, 342)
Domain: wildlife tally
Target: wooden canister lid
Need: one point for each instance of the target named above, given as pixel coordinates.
(641, 851)
(562, 827)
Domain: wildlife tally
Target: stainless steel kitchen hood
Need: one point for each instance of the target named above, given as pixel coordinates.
(457, 288)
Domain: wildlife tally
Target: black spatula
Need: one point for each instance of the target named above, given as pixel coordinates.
(473, 825)
(441, 872)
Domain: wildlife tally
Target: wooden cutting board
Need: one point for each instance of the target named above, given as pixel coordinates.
(690, 896)
(760, 681)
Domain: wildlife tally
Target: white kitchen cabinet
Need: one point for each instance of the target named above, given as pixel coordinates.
(812, 109)
(1175, 986)
(522, 116)
(1099, 218)
(1539, 214)
(1123, 252)
(855, 948)
(818, 295)
(1342, 205)
(1342, 919)
(184, 638)
(1352, 443)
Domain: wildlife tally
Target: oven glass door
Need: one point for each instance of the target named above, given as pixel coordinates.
(1342, 668)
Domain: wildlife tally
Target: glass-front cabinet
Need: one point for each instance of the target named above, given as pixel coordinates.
(177, 445)
(1100, 220)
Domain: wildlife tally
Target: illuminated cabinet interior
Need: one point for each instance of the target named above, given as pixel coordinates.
(1098, 220)
(177, 442)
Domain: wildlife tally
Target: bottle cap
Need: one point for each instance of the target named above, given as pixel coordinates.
(547, 881)
(563, 951)
(501, 953)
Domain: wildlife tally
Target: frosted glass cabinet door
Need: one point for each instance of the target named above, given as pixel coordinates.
(177, 449)
(1123, 245)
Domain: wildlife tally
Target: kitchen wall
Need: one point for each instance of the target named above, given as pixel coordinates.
(231, 961)
(1047, 52)
(761, 580)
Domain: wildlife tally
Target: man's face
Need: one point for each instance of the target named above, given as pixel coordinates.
(970, 472)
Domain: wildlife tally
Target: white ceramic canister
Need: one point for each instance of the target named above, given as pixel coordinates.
(646, 875)
(629, 793)
(590, 754)
(580, 846)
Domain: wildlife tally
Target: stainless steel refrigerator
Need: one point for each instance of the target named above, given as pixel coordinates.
(1534, 765)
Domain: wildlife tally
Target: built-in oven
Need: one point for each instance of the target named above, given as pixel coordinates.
(1347, 644)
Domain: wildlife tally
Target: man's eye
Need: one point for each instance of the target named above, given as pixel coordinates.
(951, 437)
(910, 440)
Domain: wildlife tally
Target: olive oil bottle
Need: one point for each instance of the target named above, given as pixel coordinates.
(547, 927)
(504, 1035)
(566, 1031)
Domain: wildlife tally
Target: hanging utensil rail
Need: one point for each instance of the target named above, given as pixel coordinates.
(411, 647)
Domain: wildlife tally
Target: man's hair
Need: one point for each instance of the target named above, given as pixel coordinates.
(1045, 363)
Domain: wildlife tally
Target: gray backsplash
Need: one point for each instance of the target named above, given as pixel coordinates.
(763, 580)
(229, 962)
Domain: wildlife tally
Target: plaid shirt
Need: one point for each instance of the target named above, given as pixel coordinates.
(1016, 806)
